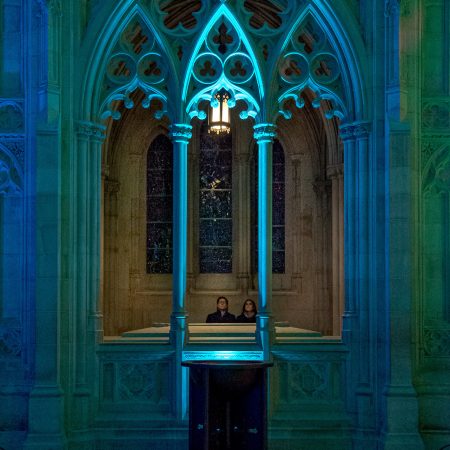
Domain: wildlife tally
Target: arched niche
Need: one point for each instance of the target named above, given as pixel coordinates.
(304, 295)
(322, 164)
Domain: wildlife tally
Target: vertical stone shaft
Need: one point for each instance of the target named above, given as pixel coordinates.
(264, 135)
(180, 135)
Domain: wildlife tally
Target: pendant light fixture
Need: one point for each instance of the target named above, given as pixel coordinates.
(219, 115)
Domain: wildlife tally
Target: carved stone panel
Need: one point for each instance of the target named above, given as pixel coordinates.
(11, 117)
(437, 342)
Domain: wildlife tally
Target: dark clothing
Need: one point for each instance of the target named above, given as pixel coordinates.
(218, 318)
(244, 319)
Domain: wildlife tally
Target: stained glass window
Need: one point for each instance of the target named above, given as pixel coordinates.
(159, 205)
(278, 210)
(215, 203)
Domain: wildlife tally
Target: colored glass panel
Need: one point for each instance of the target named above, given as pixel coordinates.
(278, 210)
(159, 205)
(215, 203)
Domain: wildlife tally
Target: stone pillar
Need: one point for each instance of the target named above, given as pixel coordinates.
(336, 174)
(264, 135)
(402, 406)
(346, 134)
(349, 320)
(366, 330)
(322, 313)
(110, 283)
(86, 305)
(46, 410)
(95, 226)
(180, 135)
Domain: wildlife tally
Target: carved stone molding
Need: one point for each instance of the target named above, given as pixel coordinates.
(308, 381)
(436, 115)
(16, 145)
(355, 130)
(264, 132)
(91, 130)
(436, 166)
(437, 342)
(136, 381)
(11, 166)
(11, 117)
(180, 132)
(10, 342)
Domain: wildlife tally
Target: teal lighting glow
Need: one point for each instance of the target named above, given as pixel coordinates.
(223, 355)
(236, 92)
(223, 11)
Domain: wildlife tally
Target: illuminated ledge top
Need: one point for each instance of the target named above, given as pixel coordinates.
(222, 333)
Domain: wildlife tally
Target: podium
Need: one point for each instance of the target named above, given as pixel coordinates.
(227, 405)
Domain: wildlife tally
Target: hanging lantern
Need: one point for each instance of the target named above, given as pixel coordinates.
(219, 116)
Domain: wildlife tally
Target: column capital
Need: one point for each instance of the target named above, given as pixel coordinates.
(89, 130)
(264, 132)
(180, 132)
(335, 171)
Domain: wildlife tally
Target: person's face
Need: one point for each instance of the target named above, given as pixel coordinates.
(222, 305)
(248, 306)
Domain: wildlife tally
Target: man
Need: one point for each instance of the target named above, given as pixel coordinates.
(221, 315)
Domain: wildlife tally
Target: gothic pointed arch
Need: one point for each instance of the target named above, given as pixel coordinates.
(130, 55)
(315, 54)
(223, 58)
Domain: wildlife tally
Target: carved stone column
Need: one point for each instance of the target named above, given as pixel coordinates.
(86, 302)
(110, 234)
(346, 134)
(180, 135)
(322, 312)
(46, 430)
(361, 133)
(336, 174)
(264, 135)
(349, 320)
(97, 137)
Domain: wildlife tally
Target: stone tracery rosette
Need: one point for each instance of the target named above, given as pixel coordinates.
(137, 61)
(309, 61)
(222, 61)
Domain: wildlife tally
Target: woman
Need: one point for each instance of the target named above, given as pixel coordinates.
(221, 315)
(249, 312)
